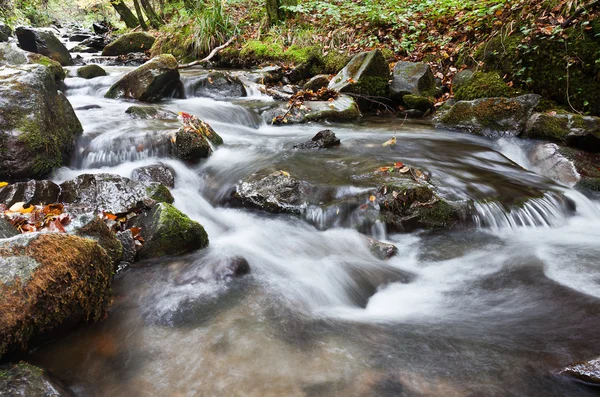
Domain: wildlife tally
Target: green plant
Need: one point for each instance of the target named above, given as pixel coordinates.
(212, 27)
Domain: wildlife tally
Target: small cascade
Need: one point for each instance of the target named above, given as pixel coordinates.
(553, 209)
(95, 87)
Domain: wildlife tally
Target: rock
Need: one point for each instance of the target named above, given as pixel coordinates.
(43, 42)
(266, 75)
(49, 279)
(11, 55)
(38, 128)
(236, 267)
(32, 192)
(317, 82)
(96, 229)
(97, 43)
(587, 371)
(159, 173)
(7, 230)
(382, 250)
(277, 193)
(344, 108)
(217, 85)
(461, 78)
(5, 32)
(83, 48)
(90, 71)
(131, 59)
(416, 102)
(129, 250)
(586, 164)
(582, 132)
(55, 68)
(491, 117)
(367, 74)
(130, 42)
(111, 193)
(323, 140)
(548, 161)
(482, 85)
(80, 36)
(154, 80)
(150, 112)
(193, 144)
(414, 78)
(24, 379)
(89, 107)
(101, 28)
(167, 231)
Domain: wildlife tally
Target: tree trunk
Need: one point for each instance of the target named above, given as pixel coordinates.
(126, 15)
(140, 16)
(153, 18)
(274, 13)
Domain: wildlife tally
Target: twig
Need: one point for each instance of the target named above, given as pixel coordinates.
(370, 99)
(280, 119)
(214, 52)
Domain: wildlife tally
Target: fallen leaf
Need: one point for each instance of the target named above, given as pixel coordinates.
(53, 209)
(372, 198)
(2, 184)
(285, 173)
(404, 169)
(383, 169)
(390, 142)
(110, 216)
(398, 164)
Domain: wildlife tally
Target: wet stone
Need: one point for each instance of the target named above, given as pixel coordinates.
(323, 140)
(159, 173)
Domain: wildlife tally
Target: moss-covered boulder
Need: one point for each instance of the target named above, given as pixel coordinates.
(47, 280)
(24, 379)
(343, 108)
(195, 141)
(461, 78)
(11, 55)
(96, 229)
(32, 192)
(414, 78)
(366, 74)
(90, 71)
(217, 85)
(150, 112)
(154, 80)
(482, 85)
(38, 127)
(491, 117)
(93, 193)
(130, 42)
(43, 42)
(417, 102)
(582, 132)
(586, 371)
(5, 32)
(55, 68)
(167, 231)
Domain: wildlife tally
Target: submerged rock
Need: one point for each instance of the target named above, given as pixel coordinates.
(367, 74)
(43, 42)
(47, 280)
(587, 371)
(344, 108)
(323, 140)
(159, 173)
(548, 161)
(154, 80)
(217, 85)
(24, 379)
(167, 231)
(111, 193)
(414, 78)
(382, 250)
(130, 42)
(150, 112)
(277, 192)
(582, 132)
(90, 71)
(491, 117)
(38, 128)
(32, 192)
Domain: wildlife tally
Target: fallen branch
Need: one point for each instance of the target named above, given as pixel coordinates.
(280, 119)
(370, 98)
(214, 52)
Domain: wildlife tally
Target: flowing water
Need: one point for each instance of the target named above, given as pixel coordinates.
(493, 310)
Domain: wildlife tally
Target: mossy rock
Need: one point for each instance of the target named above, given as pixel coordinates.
(55, 68)
(582, 132)
(23, 379)
(417, 102)
(335, 61)
(167, 231)
(12, 55)
(39, 128)
(130, 42)
(91, 71)
(43, 42)
(47, 280)
(343, 108)
(192, 145)
(156, 79)
(5, 32)
(255, 51)
(414, 78)
(366, 74)
(178, 42)
(483, 85)
(97, 230)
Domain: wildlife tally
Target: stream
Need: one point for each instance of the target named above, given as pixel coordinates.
(494, 310)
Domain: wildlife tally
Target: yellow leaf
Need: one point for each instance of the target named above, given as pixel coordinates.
(284, 173)
(372, 198)
(391, 142)
(2, 184)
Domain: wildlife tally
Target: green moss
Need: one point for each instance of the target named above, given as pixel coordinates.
(175, 40)
(590, 184)
(160, 193)
(417, 102)
(549, 127)
(483, 85)
(334, 62)
(131, 42)
(90, 71)
(439, 215)
(56, 68)
(259, 51)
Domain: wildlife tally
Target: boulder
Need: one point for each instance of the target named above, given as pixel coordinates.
(83, 48)
(24, 379)
(323, 140)
(167, 231)
(130, 42)
(90, 71)
(7, 230)
(43, 42)
(317, 82)
(382, 250)
(154, 80)
(194, 141)
(367, 74)
(31, 192)
(79, 36)
(581, 132)
(416, 102)
(266, 75)
(150, 112)
(587, 371)
(101, 28)
(278, 192)
(93, 193)
(5, 32)
(159, 173)
(96, 229)
(414, 78)
(11, 55)
(461, 78)
(548, 161)
(481, 85)
(47, 280)
(491, 117)
(38, 127)
(217, 85)
(97, 43)
(344, 108)
(55, 68)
